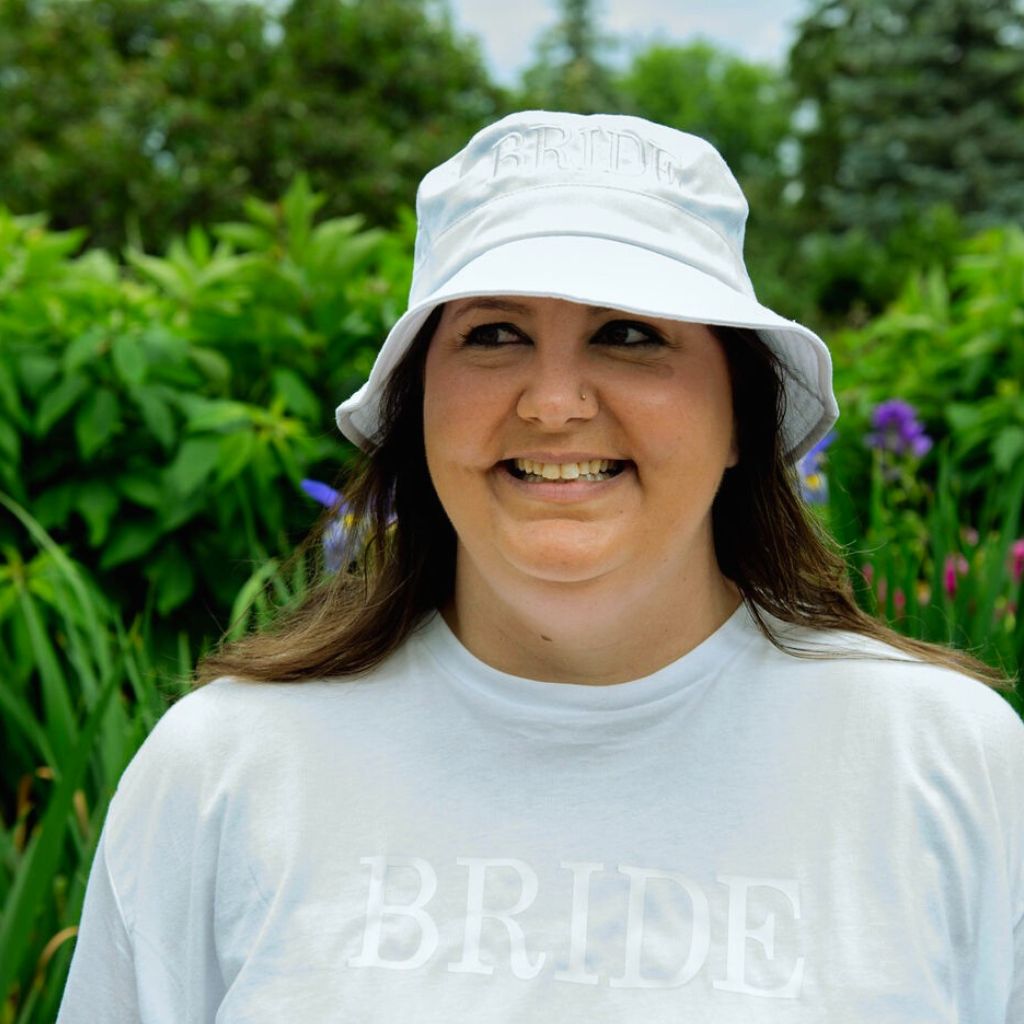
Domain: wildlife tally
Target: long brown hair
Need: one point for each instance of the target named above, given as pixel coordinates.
(398, 554)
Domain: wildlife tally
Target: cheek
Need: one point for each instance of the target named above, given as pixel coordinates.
(458, 418)
(686, 430)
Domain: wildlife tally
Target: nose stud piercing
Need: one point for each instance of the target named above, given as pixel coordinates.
(583, 397)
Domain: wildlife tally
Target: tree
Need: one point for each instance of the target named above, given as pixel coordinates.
(138, 117)
(742, 108)
(907, 105)
(569, 72)
(385, 91)
(129, 110)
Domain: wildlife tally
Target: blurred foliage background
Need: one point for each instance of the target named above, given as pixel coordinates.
(206, 229)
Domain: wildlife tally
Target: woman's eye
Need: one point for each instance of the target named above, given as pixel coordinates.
(491, 335)
(628, 334)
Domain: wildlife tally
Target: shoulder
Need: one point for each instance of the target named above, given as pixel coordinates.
(887, 687)
(195, 742)
(233, 741)
(207, 723)
(214, 730)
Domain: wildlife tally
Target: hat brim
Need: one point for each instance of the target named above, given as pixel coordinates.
(607, 272)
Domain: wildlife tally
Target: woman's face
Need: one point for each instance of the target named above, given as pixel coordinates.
(570, 442)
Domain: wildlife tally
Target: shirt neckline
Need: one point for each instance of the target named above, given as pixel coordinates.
(706, 659)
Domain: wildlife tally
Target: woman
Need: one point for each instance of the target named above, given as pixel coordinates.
(590, 728)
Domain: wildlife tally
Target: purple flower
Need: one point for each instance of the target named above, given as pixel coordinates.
(897, 429)
(321, 492)
(813, 482)
(337, 529)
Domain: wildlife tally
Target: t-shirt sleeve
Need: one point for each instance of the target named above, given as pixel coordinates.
(101, 983)
(1015, 1009)
(145, 947)
(1006, 764)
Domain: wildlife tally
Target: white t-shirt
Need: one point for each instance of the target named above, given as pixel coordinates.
(741, 836)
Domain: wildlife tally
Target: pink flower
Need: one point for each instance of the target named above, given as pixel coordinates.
(899, 602)
(1017, 559)
(956, 565)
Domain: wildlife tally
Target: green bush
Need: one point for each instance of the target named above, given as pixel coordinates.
(157, 417)
(952, 345)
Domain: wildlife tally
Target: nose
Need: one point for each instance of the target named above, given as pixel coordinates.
(556, 392)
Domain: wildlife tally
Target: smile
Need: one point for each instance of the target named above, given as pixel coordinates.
(547, 472)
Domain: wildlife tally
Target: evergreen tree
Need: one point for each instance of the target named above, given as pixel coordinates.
(908, 105)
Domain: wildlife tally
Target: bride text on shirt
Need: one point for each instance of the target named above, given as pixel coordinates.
(660, 942)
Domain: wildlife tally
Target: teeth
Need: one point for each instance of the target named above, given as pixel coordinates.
(590, 469)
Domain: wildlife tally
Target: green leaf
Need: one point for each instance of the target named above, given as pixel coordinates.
(223, 268)
(236, 451)
(299, 206)
(98, 419)
(97, 502)
(1008, 447)
(89, 605)
(84, 349)
(58, 401)
(298, 397)
(242, 610)
(259, 212)
(9, 396)
(129, 359)
(212, 364)
(53, 507)
(162, 272)
(244, 236)
(37, 371)
(10, 443)
(56, 701)
(198, 244)
(156, 414)
(219, 416)
(963, 417)
(195, 461)
(176, 511)
(32, 885)
(142, 488)
(173, 578)
(17, 711)
(130, 541)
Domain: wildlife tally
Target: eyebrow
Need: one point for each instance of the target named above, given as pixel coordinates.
(509, 306)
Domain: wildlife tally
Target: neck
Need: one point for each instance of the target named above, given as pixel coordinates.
(593, 632)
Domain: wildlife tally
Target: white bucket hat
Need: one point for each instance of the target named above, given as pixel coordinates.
(601, 209)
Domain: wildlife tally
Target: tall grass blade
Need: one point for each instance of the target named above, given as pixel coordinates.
(33, 877)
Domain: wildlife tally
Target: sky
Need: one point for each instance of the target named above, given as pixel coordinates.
(754, 29)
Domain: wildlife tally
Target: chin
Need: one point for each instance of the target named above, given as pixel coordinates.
(557, 564)
(563, 574)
